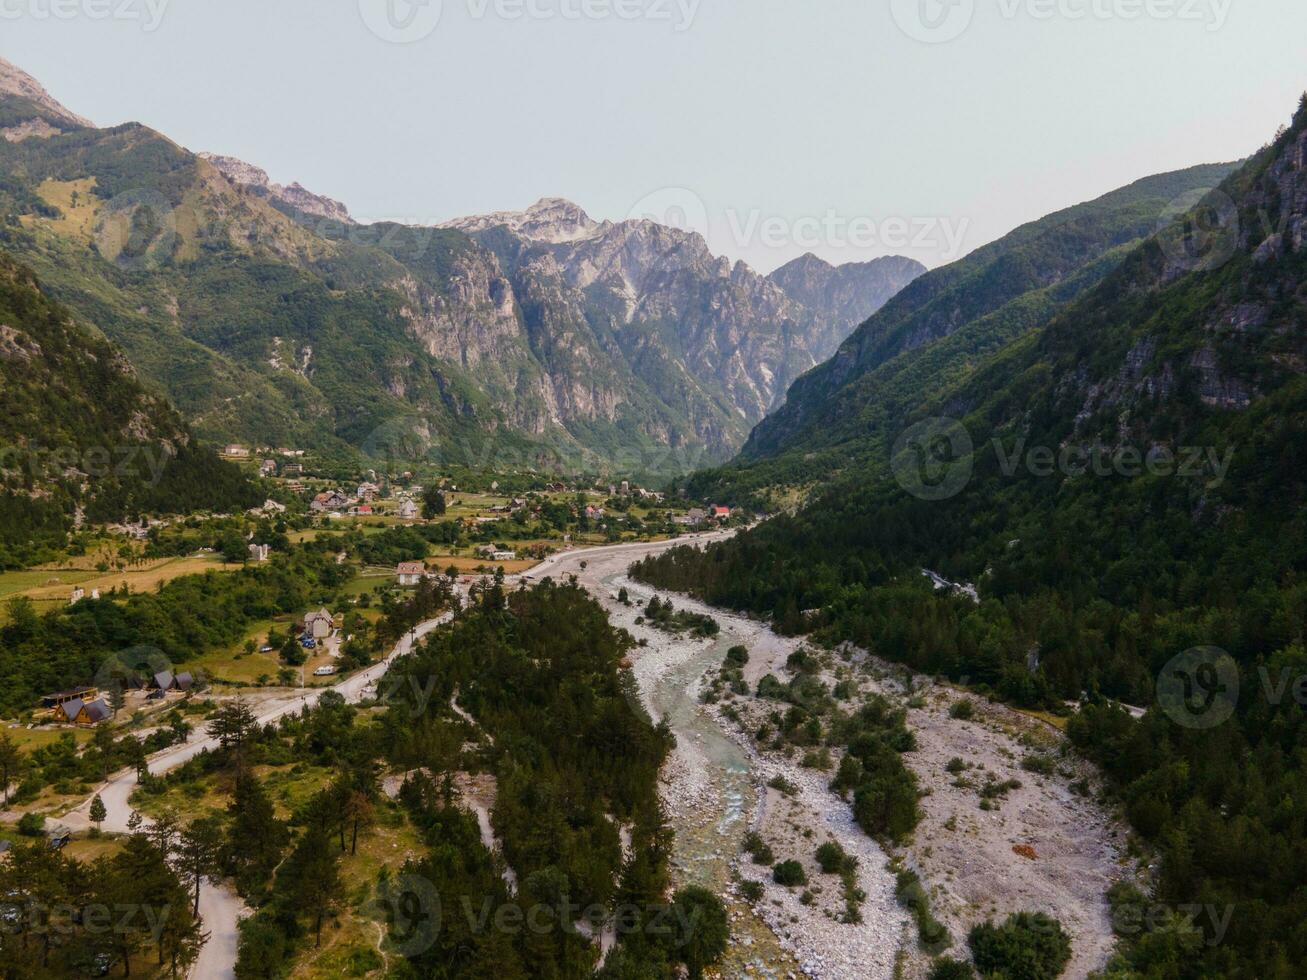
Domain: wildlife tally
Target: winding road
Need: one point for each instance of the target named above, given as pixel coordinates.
(220, 906)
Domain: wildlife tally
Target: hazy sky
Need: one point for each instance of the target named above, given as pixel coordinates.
(850, 128)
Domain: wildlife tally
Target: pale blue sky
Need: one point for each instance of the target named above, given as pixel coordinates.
(787, 119)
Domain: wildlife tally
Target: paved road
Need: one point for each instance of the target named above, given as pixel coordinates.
(220, 907)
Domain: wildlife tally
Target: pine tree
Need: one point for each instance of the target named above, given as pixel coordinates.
(98, 812)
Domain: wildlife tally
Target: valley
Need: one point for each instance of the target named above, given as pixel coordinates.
(717, 586)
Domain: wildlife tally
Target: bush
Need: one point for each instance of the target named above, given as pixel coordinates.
(1043, 765)
(789, 874)
(962, 710)
(833, 859)
(737, 656)
(31, 824)
(947, 969)
(1028, 946)
(752, 890)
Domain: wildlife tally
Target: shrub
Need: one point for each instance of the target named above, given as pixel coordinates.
(1042, 765)
(31, 824)
(752, 890)
(789, 874)
(833, 858)
(955, 766)
(948, 969)
(737, 656)
(962, 710)
(1028, 946)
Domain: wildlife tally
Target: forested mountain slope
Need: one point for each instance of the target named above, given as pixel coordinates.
(942, 327)
(82, 439)
(268, 316)
(1125, 488)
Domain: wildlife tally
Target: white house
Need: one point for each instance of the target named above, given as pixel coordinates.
(407, 510)
(410, 572)
(318, 625)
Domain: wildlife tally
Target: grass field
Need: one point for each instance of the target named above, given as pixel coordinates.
(56, 584)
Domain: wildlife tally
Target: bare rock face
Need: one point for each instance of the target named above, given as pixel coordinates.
(610, 307)
(48, 118)
(247, 175)
(551, 219)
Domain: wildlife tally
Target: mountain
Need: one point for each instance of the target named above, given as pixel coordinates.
(507, 341)
(1125, 489)
(83, 439)
(294, 197)
(943, 326)
(844, 296)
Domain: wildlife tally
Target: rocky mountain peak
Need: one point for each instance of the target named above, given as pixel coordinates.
(553, 220)
(17, 83)
(295, 195)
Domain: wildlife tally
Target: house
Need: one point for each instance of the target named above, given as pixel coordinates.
(78, 595)
(293, 469)
(237, 450)
(83, 693)
(407, 510)
(696, 515)
(721, 513)
(318, 625)
(184, 681)
(363, 510)
(259, 552)
(163, 681)
(495, 554)
(368, 491)
(329, 500)
(268, 467)
(410, 572)
(79, 712)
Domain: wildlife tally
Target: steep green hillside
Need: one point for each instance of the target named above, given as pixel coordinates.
(1124, 486)
(81, 436)
(940, 329)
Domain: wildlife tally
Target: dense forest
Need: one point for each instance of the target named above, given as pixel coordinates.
(81, 435)
(1177, 525)
(179, 621)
